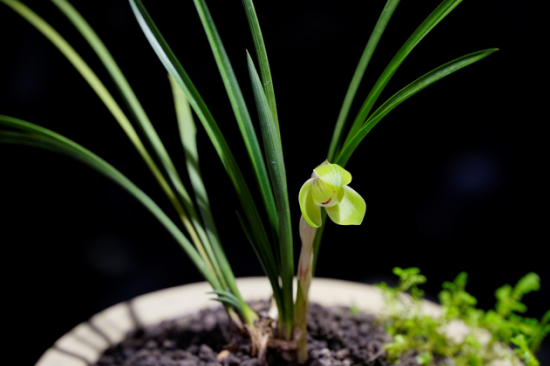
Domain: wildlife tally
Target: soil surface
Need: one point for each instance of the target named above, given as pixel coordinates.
(336, 337)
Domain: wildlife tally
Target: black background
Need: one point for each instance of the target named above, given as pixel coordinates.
(453, 178)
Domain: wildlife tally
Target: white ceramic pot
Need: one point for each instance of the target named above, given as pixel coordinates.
(84, 344)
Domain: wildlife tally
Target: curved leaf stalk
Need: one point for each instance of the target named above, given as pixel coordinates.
(102, 92)
(407, 92)
(375, 36)
(41, 137)
(431, 21)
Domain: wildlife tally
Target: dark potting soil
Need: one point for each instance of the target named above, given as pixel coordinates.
(336, 337)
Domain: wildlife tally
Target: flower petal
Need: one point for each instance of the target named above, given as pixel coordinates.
(333, 174)
(351, 209)
(310, 211)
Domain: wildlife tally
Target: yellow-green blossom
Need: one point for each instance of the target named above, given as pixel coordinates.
(328, 188)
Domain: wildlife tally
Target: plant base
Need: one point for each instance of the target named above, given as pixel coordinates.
(207, 338)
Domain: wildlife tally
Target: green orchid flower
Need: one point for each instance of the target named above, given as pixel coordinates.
(328, 188)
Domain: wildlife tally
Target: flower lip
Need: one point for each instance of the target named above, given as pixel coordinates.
(323, 194)
(327, 202)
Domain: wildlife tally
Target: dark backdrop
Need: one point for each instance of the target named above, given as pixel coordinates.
(453, 178)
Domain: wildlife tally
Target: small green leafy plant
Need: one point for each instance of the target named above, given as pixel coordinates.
(266, 221)
(483, 333)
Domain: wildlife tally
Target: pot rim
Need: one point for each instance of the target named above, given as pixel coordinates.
(85, 343)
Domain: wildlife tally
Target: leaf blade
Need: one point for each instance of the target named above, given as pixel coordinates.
(99, 88)
(240, 110)
(376, 34)
(422, 31)
(136, 108)
(261, 54)
(188, 131)
(68, 147)
(277, 171)
(260, 241)
(405, 93)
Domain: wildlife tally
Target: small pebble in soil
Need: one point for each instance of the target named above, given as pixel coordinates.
(336, 338)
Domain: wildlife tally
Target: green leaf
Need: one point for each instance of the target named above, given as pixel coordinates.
(228, 298)
(86, 73)
(188, 133)
(376, 34)
(424, 358)
(523, 351)
(259, 238)
(259, 45)
(231, 299)
(456, 301)
(277, 172)
(127, 93)
(409, 278)
(310, 211)
(121, 118)
(461, 280)
(188, 137)
(137, 110)
(41, 137)
(240, 110)
(509, 298)
(334, 175)
(431, 21)
(404, 94)
(528, 283)
(351, 209)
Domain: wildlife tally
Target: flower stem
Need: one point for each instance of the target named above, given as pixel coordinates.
(305, 266)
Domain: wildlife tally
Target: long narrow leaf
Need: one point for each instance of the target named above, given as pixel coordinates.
(137, 110)
(102, 92)
(260, 240)
(431, 21)
(277, 171)
(407, 92)
(188, 133)
(375, 36)
(240, 110)
(42, 137)
(261, 53)
(228, 298)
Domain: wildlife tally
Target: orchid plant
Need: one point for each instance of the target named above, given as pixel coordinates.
(266, 222)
